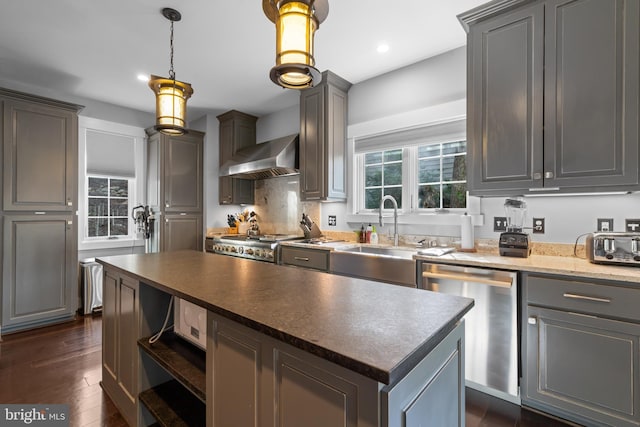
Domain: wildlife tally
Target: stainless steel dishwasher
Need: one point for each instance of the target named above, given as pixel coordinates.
(491, 331)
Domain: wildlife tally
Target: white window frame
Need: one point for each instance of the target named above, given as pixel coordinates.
(442, 113)
(136, 185)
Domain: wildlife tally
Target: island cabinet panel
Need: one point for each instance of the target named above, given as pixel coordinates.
(255, 380)
(433, 391)
(553, 96)
(119, 343)
(582, 353)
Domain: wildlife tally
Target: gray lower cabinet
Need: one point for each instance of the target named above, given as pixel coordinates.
(39, 270)
(181, 231)
(120, 317)
(317, 259)
(582, 355)
(323, 140)
(553, 96)
(259, 381)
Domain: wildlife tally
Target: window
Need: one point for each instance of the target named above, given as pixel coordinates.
(383, 176)
(423, 168)
(108, 207)
(111, 164)
(442, 175)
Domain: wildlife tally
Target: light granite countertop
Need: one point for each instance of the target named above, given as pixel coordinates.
(549, 264)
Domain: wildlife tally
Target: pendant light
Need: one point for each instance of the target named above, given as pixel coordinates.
(171, 94)
(296, 22)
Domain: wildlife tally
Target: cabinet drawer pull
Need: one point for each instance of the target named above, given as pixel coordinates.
(300, 258)
(585, 297)
(532, 321)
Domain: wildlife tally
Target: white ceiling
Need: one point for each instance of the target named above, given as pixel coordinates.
(225, 49)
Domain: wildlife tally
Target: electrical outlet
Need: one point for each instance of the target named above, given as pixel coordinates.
(538, 225)
(605, 224)
(632, 225)
(499, 223)
(332, 221)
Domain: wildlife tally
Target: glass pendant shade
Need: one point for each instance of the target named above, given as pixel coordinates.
(171, 104)
(296, 23)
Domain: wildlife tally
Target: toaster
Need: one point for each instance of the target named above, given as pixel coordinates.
(614, 248)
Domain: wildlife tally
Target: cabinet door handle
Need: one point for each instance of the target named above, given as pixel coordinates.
(166, 205)
(505, 283)
(537, 176)
(586, 297)
(532, 321)
(300, 258)
(548, 174)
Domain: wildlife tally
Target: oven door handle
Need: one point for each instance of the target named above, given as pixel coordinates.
(507, 283)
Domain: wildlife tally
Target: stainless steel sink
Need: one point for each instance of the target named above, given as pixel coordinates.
(382, 251)
(384, 264)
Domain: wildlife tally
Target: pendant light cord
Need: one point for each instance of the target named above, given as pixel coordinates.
(172, 74)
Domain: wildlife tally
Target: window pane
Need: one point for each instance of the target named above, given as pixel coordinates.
(454, 147)
(119, 207)
(454, 196)
(97, 227)
(396, 192)
(429, 170)
(98, 186)
(432, 150)
(97, 207)
(393, 155)
(454, 168)
(372, 198)
(119, 188)
(373, 176)
(119, 227)
(429, 196)
(371, 158)
(393, 174)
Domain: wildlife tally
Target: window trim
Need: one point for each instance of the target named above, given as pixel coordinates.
(137, 190)
(130, 200)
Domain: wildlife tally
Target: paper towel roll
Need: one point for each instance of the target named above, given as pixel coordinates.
(466, 232)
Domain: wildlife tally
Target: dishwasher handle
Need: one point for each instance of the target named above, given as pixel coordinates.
(506, 283)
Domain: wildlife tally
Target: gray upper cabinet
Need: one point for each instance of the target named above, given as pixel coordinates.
(553, 96)
(237, 130)
(40, 149)
(323, 139)
(175, 171)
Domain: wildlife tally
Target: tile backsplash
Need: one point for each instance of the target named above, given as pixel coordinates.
(278, 205)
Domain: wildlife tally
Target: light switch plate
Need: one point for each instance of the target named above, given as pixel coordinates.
(632, 225)
(499, 223)
(332, 221)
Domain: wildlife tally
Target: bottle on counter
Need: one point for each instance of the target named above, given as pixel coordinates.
(363, 234)
(368, 234)
(373, 239)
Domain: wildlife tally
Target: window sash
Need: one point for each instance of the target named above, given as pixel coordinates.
(108, 217)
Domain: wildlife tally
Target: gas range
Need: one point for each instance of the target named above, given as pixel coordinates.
(260, 247)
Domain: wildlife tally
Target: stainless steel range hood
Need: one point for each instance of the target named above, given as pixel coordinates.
(278, 157)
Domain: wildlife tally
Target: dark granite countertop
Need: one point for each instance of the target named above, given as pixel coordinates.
(378, 330)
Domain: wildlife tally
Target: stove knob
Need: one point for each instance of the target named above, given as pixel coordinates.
(240, 250)
(268, 254)
(233, 249)
(258, 253)
(249, 251)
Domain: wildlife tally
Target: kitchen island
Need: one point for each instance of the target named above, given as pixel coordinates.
(285, 346)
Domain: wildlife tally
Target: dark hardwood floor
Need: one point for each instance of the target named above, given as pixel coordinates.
(61, 364)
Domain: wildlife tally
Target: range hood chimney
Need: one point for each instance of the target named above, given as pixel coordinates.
(278, 157)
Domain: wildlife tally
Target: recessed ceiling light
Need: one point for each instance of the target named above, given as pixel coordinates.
(143, 77)
(383, 48)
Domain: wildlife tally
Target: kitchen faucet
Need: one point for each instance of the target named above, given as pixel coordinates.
(395, 216)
